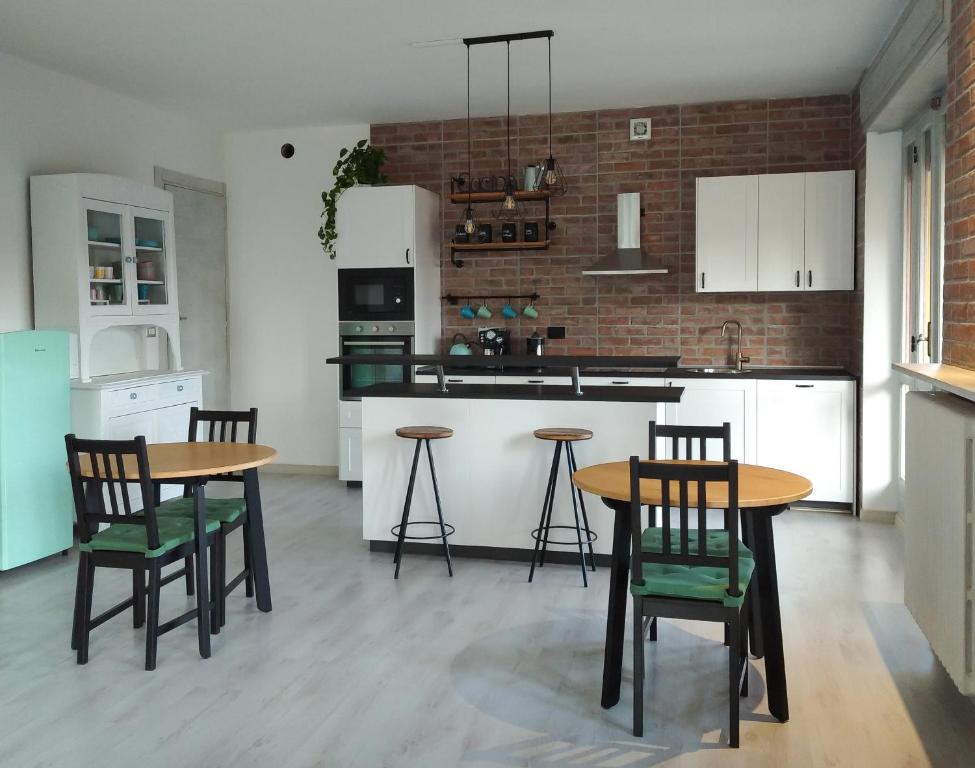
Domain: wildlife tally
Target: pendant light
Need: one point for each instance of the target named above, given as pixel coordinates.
(470, 223)
(509, 206)
(553, 178)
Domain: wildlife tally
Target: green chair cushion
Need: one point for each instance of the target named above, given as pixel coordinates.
(694, 582)
(219, 510)
(122, 537)
(653, 541)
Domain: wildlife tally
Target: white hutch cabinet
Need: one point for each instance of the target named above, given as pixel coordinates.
(103, 264)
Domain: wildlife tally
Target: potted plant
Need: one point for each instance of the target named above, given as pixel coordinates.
(360, 165)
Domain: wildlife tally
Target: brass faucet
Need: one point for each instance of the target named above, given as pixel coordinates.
(739, 357)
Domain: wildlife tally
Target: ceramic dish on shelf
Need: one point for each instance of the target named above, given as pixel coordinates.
(141, 242)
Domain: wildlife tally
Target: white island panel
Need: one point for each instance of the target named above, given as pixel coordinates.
(492, 473)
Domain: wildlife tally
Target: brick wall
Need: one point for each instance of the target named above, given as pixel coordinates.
(959, 269)
(644, 314)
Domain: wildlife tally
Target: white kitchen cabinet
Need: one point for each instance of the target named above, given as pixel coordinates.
(466, 378)
(829, 206)
(103, 258)
(536, 380)
(709, 402)
(727, 234)
(781, 231)
(806, 427)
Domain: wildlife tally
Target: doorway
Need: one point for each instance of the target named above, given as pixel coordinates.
(200, 220)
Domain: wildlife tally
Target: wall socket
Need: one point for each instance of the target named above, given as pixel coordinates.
(555, 332)
(151, 332)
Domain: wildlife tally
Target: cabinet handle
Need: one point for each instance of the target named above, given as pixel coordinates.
(620, 382)
(132, 395)
(536, 381)
(407, 255)
(809, 279)
(797, 278)
(702, 280)
(179, 387)
(456, 381)
(805, 386)
(128, 259)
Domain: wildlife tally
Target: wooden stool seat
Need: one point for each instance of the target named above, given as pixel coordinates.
(425, 433)
(563, 433)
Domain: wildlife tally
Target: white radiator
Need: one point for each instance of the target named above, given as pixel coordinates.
(938, 516)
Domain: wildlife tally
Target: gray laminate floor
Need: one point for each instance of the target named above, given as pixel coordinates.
(482, 670)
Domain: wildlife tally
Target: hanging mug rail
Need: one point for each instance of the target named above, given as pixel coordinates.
(453, 299)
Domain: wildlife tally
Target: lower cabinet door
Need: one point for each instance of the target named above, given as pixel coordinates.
(806, 427)
(131, 425)
(711, 402)
(350, 454)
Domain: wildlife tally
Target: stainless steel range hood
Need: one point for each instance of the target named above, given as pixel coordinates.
(628, 258)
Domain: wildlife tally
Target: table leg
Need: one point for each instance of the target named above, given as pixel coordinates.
(754, 617)
(202, 591)
(255, 520)
(619, 579)
(771, 619)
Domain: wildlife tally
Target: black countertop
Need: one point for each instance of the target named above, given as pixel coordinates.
(523, 392)
(823, 373)
(583, 362)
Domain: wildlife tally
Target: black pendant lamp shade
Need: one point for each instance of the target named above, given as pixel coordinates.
(470, 222)
(553, 179)
(509, 206)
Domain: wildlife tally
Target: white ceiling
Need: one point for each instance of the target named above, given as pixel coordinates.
(240, 64)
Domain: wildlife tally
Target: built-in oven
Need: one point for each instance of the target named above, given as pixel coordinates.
(376, 295)
(364, 340)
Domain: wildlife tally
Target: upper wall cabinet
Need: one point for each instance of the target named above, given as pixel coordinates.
(375, 227)
(727, 233)
(803, 225)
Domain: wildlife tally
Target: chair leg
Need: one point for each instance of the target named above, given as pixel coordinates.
(734, 670)
(152, 615)
(84, 619)
(743, 647)
(436, 495)
(575, 512)
(652, 630)
(638, 662)
(541, 520)
(582, 506)
(79, 600)
(401, 537)
(249, 578)
(215, 590)
(551, 503)
(138, 597)
(222, 580)
(188, 565)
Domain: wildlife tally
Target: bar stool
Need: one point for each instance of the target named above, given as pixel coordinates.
(563, 436)
(422, 435)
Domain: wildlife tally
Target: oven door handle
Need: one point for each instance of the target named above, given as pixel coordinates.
(374, 343)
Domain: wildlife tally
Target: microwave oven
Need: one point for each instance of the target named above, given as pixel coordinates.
(376, 294)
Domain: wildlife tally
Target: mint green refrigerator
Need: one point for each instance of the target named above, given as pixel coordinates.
(36, 510)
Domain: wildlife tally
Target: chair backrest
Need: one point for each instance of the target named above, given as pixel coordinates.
(676, 433)
(223, 427)
(684, 487)
(98, 469)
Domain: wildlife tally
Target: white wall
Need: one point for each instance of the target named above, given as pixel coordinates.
(283, 318)
(882, 322)
(53, 123)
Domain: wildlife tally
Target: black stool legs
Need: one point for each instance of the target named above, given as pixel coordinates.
(400, 530)
(542, 534)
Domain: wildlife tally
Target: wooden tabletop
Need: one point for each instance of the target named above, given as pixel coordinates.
(175, 460)
(757, 486)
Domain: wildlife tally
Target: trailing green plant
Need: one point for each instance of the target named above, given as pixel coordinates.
(361, 165)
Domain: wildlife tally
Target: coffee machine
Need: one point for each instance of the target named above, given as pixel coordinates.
(495, 341)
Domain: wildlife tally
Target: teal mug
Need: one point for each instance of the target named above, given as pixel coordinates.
(483, 312)
(467, 312)
(530, 312)
(509, 312)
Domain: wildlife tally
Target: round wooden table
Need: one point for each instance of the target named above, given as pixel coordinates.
(193, 464)
(762, 493)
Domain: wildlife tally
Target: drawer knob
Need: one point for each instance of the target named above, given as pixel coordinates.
(179, 387)
(132, 395)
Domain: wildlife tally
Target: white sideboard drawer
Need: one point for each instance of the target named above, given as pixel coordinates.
(181, 391)
(132, 398)
(350, 414)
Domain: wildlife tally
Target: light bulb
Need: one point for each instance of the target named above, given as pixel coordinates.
(469, 224)
(509, 202)
(551, 175)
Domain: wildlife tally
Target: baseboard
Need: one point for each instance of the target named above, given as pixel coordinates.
(513, 554)
(886, 517)
(300, 469)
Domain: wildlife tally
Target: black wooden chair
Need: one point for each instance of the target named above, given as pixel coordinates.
(230, 513)
(685, 580)
(137, 540)
(685, 437)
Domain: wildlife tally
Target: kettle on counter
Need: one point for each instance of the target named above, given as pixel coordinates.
(462, 347)
(536, 344)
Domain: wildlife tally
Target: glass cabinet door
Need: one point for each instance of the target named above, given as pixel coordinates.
(152, 269)
(106, 288)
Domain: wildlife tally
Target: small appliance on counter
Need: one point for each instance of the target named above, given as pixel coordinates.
(535, 344)
(495, 341)
(462, 347)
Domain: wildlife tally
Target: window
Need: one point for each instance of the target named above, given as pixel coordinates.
(924, 237)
